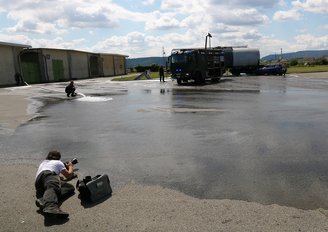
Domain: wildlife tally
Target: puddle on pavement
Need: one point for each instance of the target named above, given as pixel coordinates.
(186, 110)
(94, 99)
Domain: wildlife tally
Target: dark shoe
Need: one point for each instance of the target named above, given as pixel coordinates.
(39, 203)
(55, 212)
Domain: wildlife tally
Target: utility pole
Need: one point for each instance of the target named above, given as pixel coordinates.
(163, 53)
(280, 54)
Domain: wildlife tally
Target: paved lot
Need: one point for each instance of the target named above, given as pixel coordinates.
(258, 139)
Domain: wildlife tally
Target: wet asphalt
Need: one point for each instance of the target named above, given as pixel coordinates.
(261, 139)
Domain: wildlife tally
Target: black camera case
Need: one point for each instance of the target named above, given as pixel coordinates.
(94, 189)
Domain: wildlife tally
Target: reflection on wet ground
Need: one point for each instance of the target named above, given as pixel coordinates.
(258, 139)
(185, 110)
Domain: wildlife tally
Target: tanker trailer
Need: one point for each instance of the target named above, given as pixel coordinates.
(242, 60)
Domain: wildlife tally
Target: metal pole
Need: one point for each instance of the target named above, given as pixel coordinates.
(205, 42)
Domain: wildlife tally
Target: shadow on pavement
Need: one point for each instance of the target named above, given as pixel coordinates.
(51, 221)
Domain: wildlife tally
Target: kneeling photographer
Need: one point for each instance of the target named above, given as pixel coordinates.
(50, 189)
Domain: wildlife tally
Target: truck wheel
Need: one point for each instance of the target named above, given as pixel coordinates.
(215, 80)
(235, 73)
(199, 79)
(179, 81)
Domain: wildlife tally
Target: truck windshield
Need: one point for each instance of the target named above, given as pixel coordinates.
(179, 58)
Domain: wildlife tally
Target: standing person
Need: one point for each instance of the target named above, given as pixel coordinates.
(18, 78)
(161, 74)
(284, 70)
(70, 89)
(49, 187)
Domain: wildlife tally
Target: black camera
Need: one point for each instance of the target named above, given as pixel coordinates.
(73, 161)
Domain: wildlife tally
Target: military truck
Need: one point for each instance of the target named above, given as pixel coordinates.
(197, 64)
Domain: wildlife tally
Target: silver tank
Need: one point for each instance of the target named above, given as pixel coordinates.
(245, 57)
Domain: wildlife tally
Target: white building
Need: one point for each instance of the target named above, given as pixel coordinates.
(39, 65)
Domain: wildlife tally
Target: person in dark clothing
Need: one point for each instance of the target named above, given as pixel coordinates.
(70, 89)
(284, 70)
(50, 189)
(161, 74)
(18, 78)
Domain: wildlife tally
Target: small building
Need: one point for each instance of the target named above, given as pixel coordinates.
(51, 65)
(40, 65)
(9, 62)
(113, 64)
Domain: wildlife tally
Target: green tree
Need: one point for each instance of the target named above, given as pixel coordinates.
(321, 61)
(293, 62)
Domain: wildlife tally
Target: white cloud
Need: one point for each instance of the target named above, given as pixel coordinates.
(245, 3)
(148, 2)
(309, 41)
(287, 15)
(282, 3)
(57, 42)
(19, 39)
(136, 44)
(54, 16)
(240, 17)
(208, 13)
(176, 24)
(133, 43)
(314, 6)
(162, 21)
(180, 6)
(57, 17)
(191, 8)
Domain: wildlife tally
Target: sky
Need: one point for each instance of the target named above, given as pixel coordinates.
(143, 28)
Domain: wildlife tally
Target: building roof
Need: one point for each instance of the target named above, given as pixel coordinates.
(59, 49)
(15, 45)
(112, 54)
(72, 50)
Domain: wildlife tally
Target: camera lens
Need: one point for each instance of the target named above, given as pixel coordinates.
(74, 161)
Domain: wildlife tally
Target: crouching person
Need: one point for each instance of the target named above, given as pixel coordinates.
(50, 189)
(70, 89)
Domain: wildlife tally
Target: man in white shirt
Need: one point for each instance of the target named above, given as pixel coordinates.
(49, 188)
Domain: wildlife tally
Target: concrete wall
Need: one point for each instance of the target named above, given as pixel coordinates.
(108, 64)
(51, 56)
(95, 65)
(79, 64)
(119, 65)
(8, 64)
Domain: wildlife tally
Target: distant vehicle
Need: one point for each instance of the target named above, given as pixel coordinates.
(196, 64)
(276, 69)
(199, 64)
